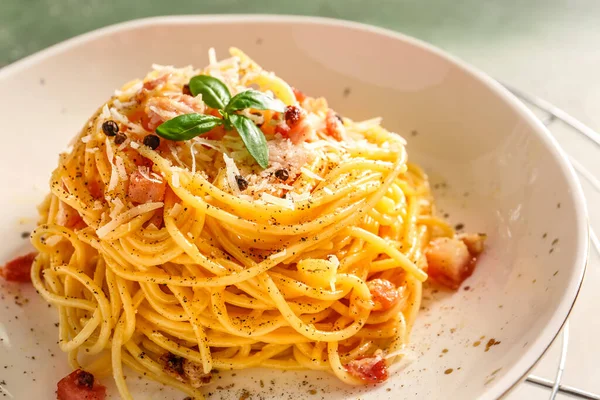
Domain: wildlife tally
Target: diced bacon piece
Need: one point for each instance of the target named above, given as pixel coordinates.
(146, 123)
(137, 158)
(474, 242)
(95, 189)
(294, 125)
(156, 220)
(19, 269)
(80, 385)
(139, 116)
(334, 126)
(283, 129)
(154, 119)
(191, 102)
(144, 190)
(449, 260)
(300, 97)
(368, 369)
(384, 294)
(161, 109)
(154, 83)
(68, 217)
(215, 133)
(304, 132)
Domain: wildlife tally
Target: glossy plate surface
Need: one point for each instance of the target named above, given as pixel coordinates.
(494, 168)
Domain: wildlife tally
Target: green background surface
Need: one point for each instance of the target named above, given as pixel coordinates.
(27, 26)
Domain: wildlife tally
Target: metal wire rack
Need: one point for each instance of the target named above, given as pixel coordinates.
(554, 115)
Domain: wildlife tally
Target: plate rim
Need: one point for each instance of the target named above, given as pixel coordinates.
(536, 350)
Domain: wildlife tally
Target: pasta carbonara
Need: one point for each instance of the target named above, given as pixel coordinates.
(176, 258)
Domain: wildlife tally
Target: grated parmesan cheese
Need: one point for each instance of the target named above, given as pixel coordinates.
(124, 144)
(92, 150)
(86, 138)
(105, 111)
(118, 206)
(279, 254)
(174, 212)
(311, 174)
(121, 168)
(127, 216)
(212, 144)
(131, 90)
(231, 171)
(193, 154)
(152, 177)
(298, 197)
(134, 145)
(175, 178)
(173, 151)
(315, 122)
(114, 175)
(270, 199)
(283, 186)
(257, 119)
(204, 157)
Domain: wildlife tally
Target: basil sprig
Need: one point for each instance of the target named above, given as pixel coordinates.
(214, 92)
(188, 126)
(216, 95)
(253, 138)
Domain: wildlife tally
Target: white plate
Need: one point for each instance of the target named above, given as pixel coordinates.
(504, 175)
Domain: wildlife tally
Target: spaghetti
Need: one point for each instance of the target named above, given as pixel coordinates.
(178, 258)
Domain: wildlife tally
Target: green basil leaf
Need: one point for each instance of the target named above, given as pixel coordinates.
(254, 99)
(253, 138)
(187, 126)
(214, 92)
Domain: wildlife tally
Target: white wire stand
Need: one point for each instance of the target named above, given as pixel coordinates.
(554, 115)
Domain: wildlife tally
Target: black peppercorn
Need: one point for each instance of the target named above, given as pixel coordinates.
(241, 182)
(120, 138)
(152, 141)
(84, 379)
(110, 128)
(186, 90)
(282, 174)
